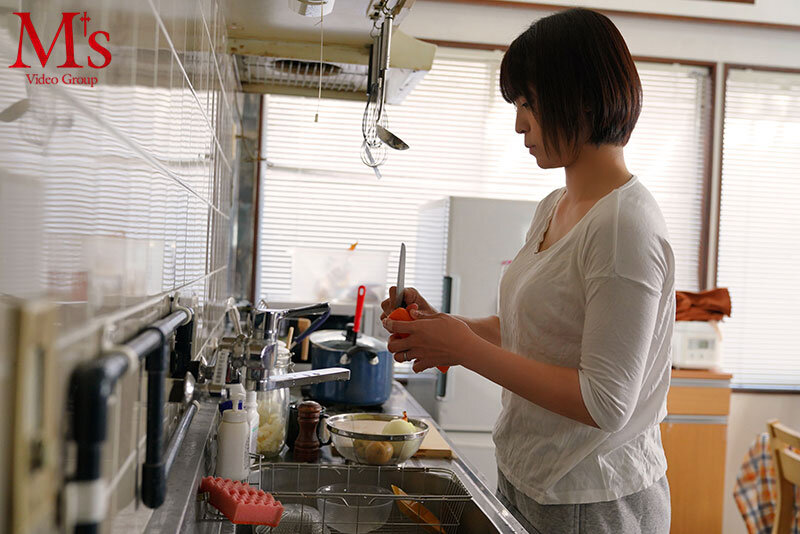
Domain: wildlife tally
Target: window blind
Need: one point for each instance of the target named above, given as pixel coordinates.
(317, 193)
(759, 243)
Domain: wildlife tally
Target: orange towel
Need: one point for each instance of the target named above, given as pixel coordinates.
(711, 305)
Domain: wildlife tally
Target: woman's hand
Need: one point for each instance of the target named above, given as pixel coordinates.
(411, 296)
(433, 339)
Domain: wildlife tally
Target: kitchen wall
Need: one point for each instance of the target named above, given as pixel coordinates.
(113, 198)
(703, 41)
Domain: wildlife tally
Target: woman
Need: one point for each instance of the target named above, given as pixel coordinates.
(582, 342)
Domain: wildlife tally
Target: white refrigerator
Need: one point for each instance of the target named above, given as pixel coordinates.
(477, 236)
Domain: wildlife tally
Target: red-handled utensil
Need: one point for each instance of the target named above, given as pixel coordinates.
(362, 292)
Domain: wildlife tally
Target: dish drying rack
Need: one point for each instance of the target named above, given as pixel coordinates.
(296, 484)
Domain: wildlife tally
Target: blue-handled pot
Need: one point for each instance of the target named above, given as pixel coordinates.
(370, 363)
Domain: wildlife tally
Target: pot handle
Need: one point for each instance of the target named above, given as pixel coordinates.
(314, 326)
(362, 291)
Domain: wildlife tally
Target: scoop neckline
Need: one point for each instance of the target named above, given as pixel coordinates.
(538, 252)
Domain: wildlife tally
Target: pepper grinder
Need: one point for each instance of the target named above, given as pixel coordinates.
(306, 447)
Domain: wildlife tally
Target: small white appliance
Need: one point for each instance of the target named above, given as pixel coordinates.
(696, 345)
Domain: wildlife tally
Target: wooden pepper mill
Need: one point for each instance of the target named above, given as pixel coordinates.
(306, 447)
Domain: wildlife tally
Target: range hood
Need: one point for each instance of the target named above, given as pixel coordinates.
(278, 51)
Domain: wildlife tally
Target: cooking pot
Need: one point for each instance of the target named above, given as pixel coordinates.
(370, 363)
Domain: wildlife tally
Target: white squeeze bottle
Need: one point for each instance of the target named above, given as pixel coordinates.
(251, 405)
(233, 436)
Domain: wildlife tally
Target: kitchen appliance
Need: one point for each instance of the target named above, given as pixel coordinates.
(370, 366)
(696, 345)
(276, 51)
(471, 237)
(367, 359)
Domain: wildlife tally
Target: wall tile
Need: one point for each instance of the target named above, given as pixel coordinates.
(116, 195)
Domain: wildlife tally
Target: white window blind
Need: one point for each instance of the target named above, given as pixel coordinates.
(317, 193)
(759, 241)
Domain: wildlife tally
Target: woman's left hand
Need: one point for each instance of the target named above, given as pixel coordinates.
(433, 339)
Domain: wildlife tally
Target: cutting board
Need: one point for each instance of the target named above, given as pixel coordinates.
(434, 445)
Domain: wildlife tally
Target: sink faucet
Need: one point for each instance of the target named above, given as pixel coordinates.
(254, 350)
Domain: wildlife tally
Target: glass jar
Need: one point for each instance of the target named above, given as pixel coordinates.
(273, 409)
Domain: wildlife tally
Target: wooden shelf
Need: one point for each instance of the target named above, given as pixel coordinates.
(701, 374)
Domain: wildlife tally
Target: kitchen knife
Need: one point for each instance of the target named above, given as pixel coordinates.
(401, 278)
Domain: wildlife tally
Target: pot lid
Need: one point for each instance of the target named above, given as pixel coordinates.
(335, 340)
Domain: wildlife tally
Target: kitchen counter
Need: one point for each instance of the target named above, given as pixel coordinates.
(179, 513)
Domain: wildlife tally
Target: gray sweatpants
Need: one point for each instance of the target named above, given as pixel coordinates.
(645, 512)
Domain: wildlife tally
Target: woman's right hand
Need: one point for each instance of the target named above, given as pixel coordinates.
(411, 296)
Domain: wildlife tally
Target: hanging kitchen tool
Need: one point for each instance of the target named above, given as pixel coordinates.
(373, 151)
(374, 123)
(381, 124)
(390, 139)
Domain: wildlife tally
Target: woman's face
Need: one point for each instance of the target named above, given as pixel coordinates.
(527, 125)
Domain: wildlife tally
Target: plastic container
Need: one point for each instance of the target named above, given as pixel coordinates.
(233, 460)
(251, 406)
(273, 410)
(322, 274)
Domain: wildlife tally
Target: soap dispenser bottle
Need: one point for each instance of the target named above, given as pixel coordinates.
(233, 459)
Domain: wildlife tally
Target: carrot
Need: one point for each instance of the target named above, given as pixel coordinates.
(401, 314)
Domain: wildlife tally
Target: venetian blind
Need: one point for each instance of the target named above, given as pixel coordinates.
(759, 242)
(317, 193)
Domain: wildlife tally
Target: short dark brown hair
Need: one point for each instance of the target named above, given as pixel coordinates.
(575, 70)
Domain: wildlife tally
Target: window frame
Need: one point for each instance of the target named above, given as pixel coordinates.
(711, 176)
(726, 68)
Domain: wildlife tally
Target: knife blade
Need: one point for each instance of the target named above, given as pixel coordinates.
(399, 301)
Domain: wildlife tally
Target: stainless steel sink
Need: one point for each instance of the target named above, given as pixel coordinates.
(439, 489)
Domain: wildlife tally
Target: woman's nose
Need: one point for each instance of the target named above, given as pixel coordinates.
(521, 124)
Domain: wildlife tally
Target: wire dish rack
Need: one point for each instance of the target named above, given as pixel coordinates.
(356, 499)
